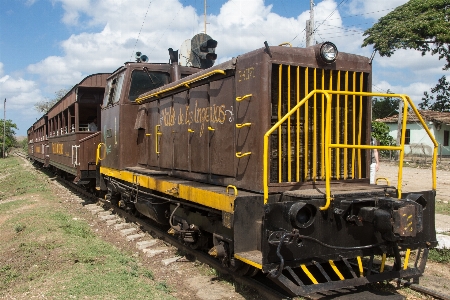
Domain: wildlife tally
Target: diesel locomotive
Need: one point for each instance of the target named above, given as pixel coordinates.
(262, 161)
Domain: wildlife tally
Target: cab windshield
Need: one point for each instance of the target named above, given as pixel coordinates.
(142, 82)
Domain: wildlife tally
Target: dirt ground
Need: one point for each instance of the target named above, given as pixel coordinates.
(418, 177)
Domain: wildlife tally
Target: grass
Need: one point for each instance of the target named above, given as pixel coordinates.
(19, 182)
(19, 227)
(439, 255)
(48, 253)
(442, 208)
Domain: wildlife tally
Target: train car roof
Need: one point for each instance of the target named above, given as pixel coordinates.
(40, 122)
(97, 80)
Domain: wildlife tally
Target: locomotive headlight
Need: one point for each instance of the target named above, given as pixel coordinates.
(328, 52)
(301, 214)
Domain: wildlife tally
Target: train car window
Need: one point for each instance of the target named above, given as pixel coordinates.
(114, 89)
(142, 82)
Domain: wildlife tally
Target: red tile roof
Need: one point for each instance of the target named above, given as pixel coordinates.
(427, 115)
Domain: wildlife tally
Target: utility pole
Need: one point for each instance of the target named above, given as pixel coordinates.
(4, 126)
(310, 25)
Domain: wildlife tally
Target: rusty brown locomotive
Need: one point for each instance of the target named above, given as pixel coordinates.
(263, 161)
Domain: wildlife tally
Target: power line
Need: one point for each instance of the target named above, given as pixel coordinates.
(342, 17)
(367, 13)
(329, 15)
(167, 28)
(330, 25)
(290, 20)
(139, 34)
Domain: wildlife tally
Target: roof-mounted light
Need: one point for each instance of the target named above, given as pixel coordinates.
(328, 52)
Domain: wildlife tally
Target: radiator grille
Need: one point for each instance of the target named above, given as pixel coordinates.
(297, 146)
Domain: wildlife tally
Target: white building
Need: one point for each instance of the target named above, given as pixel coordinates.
(417, 141)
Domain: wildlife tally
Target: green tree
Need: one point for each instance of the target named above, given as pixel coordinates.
(24, 144)
(10, 140)
(380, 131)
(45, 105)
(439, 98)
(422, 25)
(384, 107)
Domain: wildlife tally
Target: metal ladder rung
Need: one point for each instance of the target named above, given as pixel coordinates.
(349, 267)
(299, 282)
(321, 269)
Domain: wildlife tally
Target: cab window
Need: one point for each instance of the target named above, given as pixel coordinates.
(113, 90)
(142, 82)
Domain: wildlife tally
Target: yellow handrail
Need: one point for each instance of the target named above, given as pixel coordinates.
(382, 178)
(239, 99)
(241, 155)
(243, 125)
(185, 84)
(98, 158)
(157, 134)
(234, 188)
(285, 44)
(328, 145)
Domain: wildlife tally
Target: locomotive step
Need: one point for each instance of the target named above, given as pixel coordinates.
(253, 258)
(146, 171)
(349, 190)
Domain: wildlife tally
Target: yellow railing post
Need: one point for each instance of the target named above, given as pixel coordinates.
(328, 145)
(280, 136)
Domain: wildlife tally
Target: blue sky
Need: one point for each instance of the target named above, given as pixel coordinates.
(46, 45)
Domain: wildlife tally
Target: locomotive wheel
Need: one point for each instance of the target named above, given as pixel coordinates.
(252, 272)
(247, 270)
(243, 270)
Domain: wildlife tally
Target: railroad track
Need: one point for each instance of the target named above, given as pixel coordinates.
(425, 290)
(111, 214)
(155, 231)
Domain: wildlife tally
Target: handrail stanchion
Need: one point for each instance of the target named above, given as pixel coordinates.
(327, 154)
(435, 143)
(328, 145)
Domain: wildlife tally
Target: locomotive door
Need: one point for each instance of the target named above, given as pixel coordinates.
(180, 141)
(143, 138)
(222, 127)
(167, 122)
(153, 122)
(198, 134)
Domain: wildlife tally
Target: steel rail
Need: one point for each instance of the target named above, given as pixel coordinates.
(153, 229)
(424, 290)
(156, 231)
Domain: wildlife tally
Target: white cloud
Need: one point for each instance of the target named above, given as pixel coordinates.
(373, 9)
(20, 93)
(413, 60)
(242, 13)
(414, 90)
(1, 69)
(111, 28)
(56, 71)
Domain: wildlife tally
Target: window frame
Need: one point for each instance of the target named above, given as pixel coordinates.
(130, 96)
(114, 84)
(407, 136)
